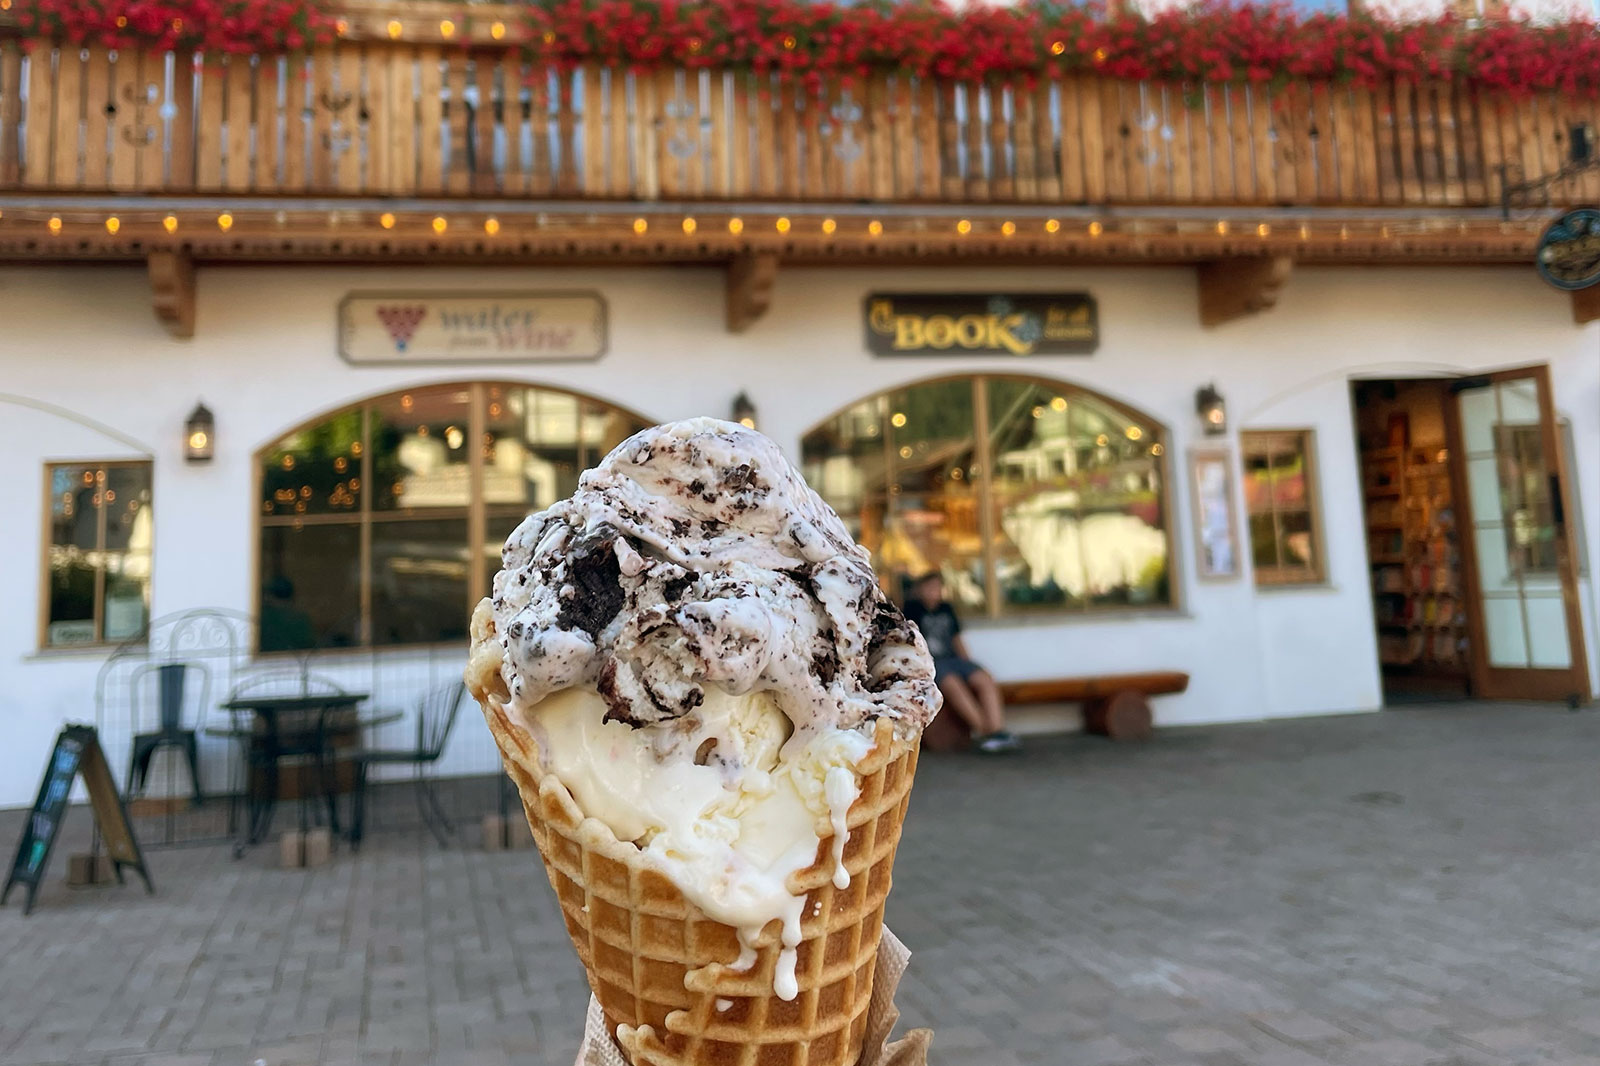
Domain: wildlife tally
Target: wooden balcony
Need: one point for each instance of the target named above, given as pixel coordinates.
(461, 148)
(380, 118)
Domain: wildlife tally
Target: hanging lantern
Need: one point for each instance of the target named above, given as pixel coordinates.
(1212, 409)
(199, 435)
(744, 412)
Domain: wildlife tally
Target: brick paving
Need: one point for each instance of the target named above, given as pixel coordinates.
(1416, 887)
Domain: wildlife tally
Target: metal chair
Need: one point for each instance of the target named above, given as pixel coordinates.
(436, 716)
(171, 678)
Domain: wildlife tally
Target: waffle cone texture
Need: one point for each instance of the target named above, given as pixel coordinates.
(659, 965)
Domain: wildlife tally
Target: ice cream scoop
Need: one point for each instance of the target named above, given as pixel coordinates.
(692, 670)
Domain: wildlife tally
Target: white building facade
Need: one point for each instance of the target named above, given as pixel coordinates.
(89, 378)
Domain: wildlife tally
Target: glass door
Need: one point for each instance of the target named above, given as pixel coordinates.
(1527, 635)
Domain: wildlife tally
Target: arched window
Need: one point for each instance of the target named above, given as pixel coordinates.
(382, 524)
(1073, 517)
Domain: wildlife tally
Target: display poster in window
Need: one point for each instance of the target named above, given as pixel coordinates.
(386, 328)
(1216, 533)
(982, 324)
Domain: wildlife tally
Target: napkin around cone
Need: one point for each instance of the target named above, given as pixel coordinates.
(599, 1049)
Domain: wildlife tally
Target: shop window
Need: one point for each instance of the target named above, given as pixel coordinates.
(97, 561)
(382, 524)
(1026, 494)
(1281, 499)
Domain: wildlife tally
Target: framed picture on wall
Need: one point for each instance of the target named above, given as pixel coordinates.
(1216, 527)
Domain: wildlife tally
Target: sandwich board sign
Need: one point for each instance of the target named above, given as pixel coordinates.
(77, 751)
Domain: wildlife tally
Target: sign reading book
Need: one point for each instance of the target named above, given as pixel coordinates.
(994, 324)
(412, 327)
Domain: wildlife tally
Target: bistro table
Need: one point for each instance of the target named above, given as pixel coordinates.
(286, 726)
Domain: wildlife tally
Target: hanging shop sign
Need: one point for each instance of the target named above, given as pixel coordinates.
(416, 327)
(982, 324)
(1569, 250)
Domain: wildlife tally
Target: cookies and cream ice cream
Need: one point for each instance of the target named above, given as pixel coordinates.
(703, 657)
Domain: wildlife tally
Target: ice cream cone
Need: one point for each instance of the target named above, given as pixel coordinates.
(662, 970)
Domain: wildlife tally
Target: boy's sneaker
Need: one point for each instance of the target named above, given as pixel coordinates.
(998, 743)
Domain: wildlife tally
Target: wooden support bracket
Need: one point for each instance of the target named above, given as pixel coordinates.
(1586, 305)
(1233, 288)
(172, 291)
(750, 278)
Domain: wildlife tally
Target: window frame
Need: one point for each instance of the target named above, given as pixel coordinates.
(994, 610)
(47, 541)
(1278, 575)
(364, 517)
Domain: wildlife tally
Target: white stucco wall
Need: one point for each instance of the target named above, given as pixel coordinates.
(264, 360)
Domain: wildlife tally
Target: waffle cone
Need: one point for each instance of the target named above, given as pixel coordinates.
(659, 965)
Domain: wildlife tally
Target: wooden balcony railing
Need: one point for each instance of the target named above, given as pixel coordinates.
(397, 119)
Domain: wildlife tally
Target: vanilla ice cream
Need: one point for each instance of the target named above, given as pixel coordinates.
(702, 653)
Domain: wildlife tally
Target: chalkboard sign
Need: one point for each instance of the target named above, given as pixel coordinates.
(77, 751)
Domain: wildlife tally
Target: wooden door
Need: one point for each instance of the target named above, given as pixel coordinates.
(1512, 498)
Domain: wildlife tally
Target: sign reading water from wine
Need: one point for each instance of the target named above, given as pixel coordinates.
(412, 327)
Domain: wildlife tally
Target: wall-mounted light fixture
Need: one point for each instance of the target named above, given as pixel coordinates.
(199, 435)
(1212, 409)
(1581, 144)
(744, 412)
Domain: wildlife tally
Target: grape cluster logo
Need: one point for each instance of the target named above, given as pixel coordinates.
(402, 323)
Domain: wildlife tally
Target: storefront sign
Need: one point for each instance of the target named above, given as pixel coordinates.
(1011, 324)
(411, 327)
(1569, 250)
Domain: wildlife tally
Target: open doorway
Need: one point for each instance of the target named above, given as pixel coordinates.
(1474, 562)
(1418, 575)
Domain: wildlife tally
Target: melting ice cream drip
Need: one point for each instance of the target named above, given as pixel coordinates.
(727, 651)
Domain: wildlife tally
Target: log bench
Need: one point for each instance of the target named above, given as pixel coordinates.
(1114, 705)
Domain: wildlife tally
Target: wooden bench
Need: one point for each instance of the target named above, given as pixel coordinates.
(1114, 705)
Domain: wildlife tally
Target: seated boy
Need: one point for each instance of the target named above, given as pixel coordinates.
(968, 689)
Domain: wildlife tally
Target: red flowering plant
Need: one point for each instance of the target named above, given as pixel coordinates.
(811, 42)
(1207, 42)
(212, 26)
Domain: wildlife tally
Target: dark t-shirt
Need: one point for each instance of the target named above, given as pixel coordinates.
(939, 627)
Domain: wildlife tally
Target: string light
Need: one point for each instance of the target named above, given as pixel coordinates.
(964, 227)
(1052, 225)
(386, 220)
(875, 228)
(498, 30)
(829, 225)
(1095, 228)
(395, 29)
(1305, 233)
(170, 223)
(54, 224)
(491, 226)
(225, 222)
(113, 224)
(782, 225)
(735, 226)
(640, 225)
(1222, 227)
(439, 224)
(1057, 47)
(1263, 230)
(689, 224)
(447, 28)
(1007, 228)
